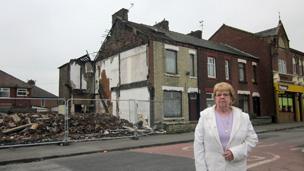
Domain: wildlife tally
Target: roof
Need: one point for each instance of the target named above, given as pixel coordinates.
(162, 34)
(83, 59)
(8, 81)
(268, 32)
(40, 93)
(183, 38)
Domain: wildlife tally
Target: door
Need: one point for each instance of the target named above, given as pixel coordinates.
(193, 107)
(256, 106)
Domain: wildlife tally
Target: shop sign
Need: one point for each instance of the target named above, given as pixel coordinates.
(283, 87)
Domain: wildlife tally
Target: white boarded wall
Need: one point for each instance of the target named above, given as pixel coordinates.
(134, 65)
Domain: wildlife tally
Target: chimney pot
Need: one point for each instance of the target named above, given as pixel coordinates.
(197, 34)
(162, 25)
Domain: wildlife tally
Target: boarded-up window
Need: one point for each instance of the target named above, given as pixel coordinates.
(172, 104)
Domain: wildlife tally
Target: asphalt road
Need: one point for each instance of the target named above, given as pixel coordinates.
(276, 151)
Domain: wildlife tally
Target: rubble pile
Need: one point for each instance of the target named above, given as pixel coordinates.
(45, 127)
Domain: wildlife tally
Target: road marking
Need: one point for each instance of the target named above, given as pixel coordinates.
(295, 149)
(255, 158)
(187, 148)
(274, 158)
(267, 145)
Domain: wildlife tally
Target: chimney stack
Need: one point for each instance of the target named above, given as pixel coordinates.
(31, 82)
(197, 34)
(122, 14)
(162, 25)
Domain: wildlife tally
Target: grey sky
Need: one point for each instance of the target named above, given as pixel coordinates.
(38, 36)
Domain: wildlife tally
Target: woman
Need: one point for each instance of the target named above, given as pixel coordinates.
(224, 134)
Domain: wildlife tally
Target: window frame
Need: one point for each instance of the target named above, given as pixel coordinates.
(5, 90)
(166, 61)
(242, 98)
(282, 66)
(192, 64)
(23, 92)
(209, 99)
(254, 74)
(294, 65)
(243, 70)
(227, 70)
(165, 103)
(211, 67)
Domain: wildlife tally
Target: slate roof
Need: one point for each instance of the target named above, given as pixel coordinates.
(8, 81)
(268, 32)
(40, 93)
(183, 38)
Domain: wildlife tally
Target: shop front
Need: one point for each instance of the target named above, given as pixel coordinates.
(289, 102)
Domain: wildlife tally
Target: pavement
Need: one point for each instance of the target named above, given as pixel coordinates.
(43, 152)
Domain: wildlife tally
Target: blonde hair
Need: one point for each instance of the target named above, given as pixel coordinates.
(223, 86)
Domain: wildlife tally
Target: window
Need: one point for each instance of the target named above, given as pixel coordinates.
(286, 102)
(172, 104)
(294, 66)
(211, 67)
(192, 65)
(4, 92)
(171, 61)
(303, 67)
(209, 99)
(282, 66)
(227, 70)
(21, 92)
(244, 102)
(242, 74)
(254, 72)
(300, 67)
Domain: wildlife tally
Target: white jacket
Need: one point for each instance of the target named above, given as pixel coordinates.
(208, 150)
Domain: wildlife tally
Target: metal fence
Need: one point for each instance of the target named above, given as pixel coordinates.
(36, 121)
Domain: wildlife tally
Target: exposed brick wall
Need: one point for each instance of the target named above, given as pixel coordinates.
(122, 38)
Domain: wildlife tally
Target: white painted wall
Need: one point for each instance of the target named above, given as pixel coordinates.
(110, 65)
(134, 68)
(75, 75)
(134, 65)
(139, 97)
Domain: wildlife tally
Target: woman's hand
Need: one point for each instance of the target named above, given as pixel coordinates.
(228, 155)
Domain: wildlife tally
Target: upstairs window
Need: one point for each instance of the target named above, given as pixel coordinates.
(227, 73)
(171, 61)
(211, 67)
(294, 66)
(242, 73)
(192, 65)
(21, 92)
(4, 92)
(254, 73)
(282, 66)
(300, 67)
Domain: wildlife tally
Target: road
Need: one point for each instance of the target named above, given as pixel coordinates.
(276, 151)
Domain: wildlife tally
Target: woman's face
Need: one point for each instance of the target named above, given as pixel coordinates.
(223, 99)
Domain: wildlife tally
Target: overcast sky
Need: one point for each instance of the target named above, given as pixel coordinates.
(38, 36)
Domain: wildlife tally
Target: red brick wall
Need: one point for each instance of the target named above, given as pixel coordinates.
(206, 84)
(252, 44)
